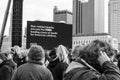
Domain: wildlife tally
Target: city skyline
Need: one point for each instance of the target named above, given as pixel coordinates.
(37, 11)
(90, 17)
(40, 10)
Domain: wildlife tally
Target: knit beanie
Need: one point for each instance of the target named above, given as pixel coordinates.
(36, 52)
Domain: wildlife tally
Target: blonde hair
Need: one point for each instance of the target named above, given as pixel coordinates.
(17, 49)
(62, 53)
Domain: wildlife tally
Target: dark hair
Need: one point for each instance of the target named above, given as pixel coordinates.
(52, 52)
(91, 52)
(52, 55)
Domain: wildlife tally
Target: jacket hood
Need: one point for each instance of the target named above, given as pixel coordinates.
(73, 65)
(53, 63)
(79, 63)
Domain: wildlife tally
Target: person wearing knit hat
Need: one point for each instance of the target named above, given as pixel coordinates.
(36, 53)
(34, 69)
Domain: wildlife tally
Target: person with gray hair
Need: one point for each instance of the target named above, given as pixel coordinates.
(34, 69)
(75, 52)
(94, 62)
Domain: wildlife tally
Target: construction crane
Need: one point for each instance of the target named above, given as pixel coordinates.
(4, 23)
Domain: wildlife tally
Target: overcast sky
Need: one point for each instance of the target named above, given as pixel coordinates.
(35, 10)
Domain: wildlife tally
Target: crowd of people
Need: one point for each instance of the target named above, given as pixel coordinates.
(95, 61)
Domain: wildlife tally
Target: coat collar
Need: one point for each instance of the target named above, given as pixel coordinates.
(79, 63)
(35, 62)
(74, 65)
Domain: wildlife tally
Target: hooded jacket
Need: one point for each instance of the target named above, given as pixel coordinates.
(79, 71)
(57, 68)
(7, 68)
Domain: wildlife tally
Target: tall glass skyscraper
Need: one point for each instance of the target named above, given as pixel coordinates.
(89, 16)
(114, 19)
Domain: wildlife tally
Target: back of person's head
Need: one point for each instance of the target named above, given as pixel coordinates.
(16, 49)
(53, 55)
(52, 52)
(22, 54)
(62, 53)
(36, 52)
(92, 52)
(76, 52)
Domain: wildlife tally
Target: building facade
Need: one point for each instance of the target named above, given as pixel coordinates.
(83, 40)
(62, 16)
(114, 19)
(6, 45)
(89, 16)
(17, 22)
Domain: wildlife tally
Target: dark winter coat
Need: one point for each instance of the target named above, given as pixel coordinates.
(77, 71)
(19, 61)
(57, 68)
(32, 70)
(7, 69)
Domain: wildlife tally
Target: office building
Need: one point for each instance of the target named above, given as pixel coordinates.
(89, 16)
(62, 16)
(17, 22)
(6, 45)
(84, 40)
(114, 19)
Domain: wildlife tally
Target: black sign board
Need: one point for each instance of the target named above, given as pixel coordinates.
(49, 34)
